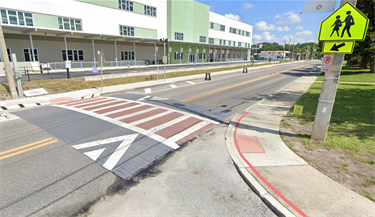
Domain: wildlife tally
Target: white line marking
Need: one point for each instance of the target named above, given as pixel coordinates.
(94, 154)
(190, 82)
(120, 151)
(173, 86)
(148, 90)
(99, 142)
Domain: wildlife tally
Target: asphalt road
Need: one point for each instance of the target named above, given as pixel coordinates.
(63, 75)
(198, 179)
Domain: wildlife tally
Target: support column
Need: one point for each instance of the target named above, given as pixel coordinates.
(203, 54)
(135, 55)
(169, 53)
(189, 54)
(209, 54)
(32, 47)
(66, 49)
(196, 53)
(221, 53)
(155, 54)
(116, 52)
(93, 50)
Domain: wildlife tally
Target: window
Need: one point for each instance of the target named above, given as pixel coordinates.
(73, 55)
(212, 25)
(243, 32)
(223, 42)
(234, 56)
(239, 44)
(125, 5)
(200, 56)
(234, 43)
(127, 31)
(9, 55)
(229, 43)
(234, 30)
(247, 34)
(202, 39)
(211, 41)
(178, 36)
(28, 55)
(239, 32)
(16, 18)
(69, 24)
(127, 55)
(178, 56)
(222, 28)
(150, 11)
(220, 41)
(228, 56)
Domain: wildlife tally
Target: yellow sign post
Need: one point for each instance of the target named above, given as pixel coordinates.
(345, 24)
(338, 47)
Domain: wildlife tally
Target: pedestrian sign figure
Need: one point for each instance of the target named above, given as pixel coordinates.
(337, 25)
(349, 21)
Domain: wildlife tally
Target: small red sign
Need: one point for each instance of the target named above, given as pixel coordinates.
(327, 62)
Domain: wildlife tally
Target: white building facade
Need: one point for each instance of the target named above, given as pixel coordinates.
(127, 32)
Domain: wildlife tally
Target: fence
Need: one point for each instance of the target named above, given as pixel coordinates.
(61, 65)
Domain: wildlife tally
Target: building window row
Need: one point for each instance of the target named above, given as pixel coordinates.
(233, 30)
(127, 55)
(240, 32)
(73, 55)
(16, 18)
(150, 11)
(126, 31)
(125, 5)
(69, 24)
(178, 56)
(178, 36)
(222, 27)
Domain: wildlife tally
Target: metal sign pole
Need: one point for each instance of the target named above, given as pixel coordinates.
(164, 62)
(101, 67)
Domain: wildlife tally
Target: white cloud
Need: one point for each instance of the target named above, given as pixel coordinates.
(248, 5)
(304, 34)
(299, 28)
(232, 16)
(262, 26)
(288, 18)
(281, 29)
(265, 36)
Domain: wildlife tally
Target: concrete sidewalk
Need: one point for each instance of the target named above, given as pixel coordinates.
(283, 180)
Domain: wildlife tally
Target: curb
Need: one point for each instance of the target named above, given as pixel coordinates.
(241, 166)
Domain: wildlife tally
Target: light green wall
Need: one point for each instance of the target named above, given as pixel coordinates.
(176, 48)
(105, 3)
(188, 17)
(138, 8)
(46, 21)
(146, 33)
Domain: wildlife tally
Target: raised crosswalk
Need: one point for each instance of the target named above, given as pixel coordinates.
(163, 125)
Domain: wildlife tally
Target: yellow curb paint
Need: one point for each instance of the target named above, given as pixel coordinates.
(235, 85)
(26, 150)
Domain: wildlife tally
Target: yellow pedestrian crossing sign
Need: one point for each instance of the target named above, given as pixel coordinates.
(345, 24)
(338, 47)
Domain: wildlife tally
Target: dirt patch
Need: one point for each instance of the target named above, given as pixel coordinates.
(356, 172)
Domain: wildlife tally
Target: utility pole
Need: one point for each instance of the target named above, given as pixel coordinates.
(284, 48)
(8, 69)
(328, 94)
(289, 49)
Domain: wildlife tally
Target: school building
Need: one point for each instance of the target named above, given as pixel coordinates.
(127, 32)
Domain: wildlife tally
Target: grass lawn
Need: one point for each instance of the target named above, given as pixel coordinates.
(352, 124)
(352, 73)
(74, 84)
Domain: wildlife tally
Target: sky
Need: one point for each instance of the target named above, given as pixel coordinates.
(273, 21)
